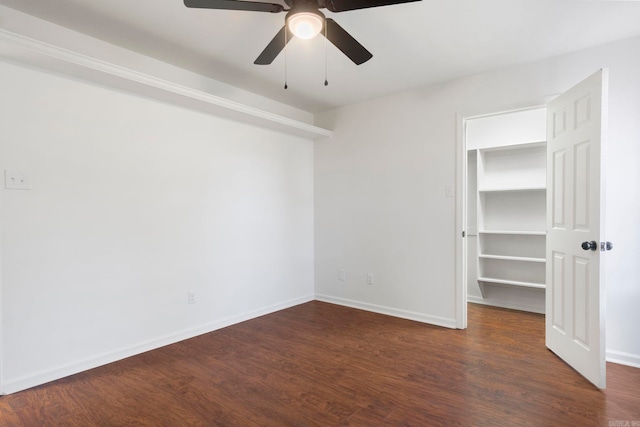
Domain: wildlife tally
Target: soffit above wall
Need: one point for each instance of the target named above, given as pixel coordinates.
(26, 51)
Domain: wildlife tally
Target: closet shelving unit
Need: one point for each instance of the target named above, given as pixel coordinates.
(511, 209)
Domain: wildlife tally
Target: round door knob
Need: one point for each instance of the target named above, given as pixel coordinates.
(589, 246)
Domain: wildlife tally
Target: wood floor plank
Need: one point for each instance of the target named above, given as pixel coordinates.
(319, 364)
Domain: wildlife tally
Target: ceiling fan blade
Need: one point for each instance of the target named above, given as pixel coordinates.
(344, 5)
(274, 47)
(235, 5)
(346, 43)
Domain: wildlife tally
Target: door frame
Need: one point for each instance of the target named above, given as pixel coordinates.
(461, 193)
(1, 316)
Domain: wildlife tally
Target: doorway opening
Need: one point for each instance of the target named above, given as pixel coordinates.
(506, 209)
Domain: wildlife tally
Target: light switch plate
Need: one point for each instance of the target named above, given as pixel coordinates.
(17, 180)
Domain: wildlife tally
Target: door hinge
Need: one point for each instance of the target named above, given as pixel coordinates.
(463, 234)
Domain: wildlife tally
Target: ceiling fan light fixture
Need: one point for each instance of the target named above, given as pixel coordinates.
(305, 25)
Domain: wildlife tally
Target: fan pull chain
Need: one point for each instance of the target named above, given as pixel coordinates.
(326, 55)
(285, 59)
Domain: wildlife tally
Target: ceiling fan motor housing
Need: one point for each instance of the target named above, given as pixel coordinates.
(304, 6)
(311, 4)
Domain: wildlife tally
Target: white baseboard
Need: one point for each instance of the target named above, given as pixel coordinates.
(42, 377)
(390, 311)
(623, 358)
(493, 303)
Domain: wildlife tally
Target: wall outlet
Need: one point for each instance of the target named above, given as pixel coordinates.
(449, 191)
(342, 274)
(370, 278)
(17, 180)
(191, 298)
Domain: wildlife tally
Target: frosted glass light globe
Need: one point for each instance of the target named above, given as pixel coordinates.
(305, 25)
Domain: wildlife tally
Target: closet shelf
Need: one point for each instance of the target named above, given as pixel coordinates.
(514, 232)
(511, 189)
(512, 258)
(511, 214)
(489, 280)
(516, 147)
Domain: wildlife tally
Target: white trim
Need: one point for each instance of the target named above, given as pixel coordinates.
(72, 63)
(461, 221)
(508, 109)
(42, 377)
(1, 315)
(623, 358)
(390, 311)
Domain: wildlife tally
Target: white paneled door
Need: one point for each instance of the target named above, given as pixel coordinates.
(575, 296)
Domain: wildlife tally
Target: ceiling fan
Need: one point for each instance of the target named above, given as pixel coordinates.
(303, 20)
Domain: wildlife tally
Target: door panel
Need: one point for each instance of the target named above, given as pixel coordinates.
(581, 180)
(557, 311)
(575, 328)
(581, 304)
(557, 187)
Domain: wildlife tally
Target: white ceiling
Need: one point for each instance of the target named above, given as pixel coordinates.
(413, 44)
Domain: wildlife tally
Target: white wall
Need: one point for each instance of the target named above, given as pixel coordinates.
(380, 189)
(381, 206)
(133, 203)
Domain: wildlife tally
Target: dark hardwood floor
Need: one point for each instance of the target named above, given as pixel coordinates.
(319, 364)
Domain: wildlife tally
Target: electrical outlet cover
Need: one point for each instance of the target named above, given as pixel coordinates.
(17, 180)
